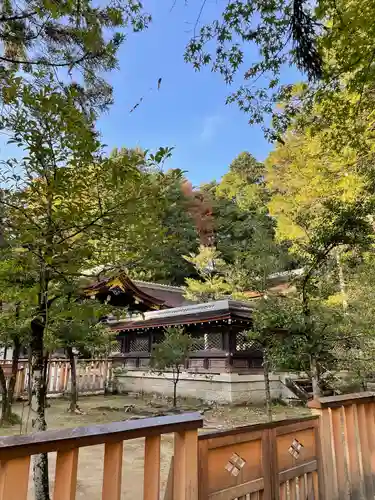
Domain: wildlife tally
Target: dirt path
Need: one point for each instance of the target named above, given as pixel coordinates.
(105, 409)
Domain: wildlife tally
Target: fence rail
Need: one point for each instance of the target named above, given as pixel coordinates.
(15, 454)
(93, 376)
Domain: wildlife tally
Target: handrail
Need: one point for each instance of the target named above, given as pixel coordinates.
(342, 400)
(12, 447)
(255, 427)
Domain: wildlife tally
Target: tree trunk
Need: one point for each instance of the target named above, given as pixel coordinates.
(176, 376)
(73, 377)
(342, 282)
(38, 402)
(315, 378)
(4, 396)
(266, 373)
(13, 377)
(29, 378)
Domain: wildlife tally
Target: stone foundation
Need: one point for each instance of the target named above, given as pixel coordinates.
(222, 388)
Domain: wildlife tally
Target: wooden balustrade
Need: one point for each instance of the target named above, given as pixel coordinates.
(272, 461)
(347, 428)
(93, 376)
(15, 453)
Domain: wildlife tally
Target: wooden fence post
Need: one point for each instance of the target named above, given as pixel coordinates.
(270, 468)
(348, 445)
(185, 478)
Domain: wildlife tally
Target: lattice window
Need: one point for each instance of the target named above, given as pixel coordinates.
(139, 344)
(116, 347)
(208, 342)
(243, 343)
(157, 339)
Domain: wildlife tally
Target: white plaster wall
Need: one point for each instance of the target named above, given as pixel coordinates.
(222, 388)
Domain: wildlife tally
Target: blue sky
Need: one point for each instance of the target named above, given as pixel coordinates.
(189, 111)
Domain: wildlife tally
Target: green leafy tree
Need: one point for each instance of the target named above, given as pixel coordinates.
(331, 43)
(65, 209)
(211, 284)
(171, 355)
(165, 262)
(14, 334)
(75, 326)
(79, 39)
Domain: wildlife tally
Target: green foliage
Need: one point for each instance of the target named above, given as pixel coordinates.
(173, 351)
(76, 325)
(332, 43)
(165, 262)
(212, 284)
(171, 355)
(75, 37)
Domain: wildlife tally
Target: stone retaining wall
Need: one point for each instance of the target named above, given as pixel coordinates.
(222, 388)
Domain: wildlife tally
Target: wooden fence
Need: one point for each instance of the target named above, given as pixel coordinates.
(15, 453)
(93, 376)
(328, 456)
(267, 461)
(347, 428)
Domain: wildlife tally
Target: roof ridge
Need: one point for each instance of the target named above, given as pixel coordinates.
(161, 285)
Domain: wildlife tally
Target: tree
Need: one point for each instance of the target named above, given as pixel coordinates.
(14, 333)
(212, 283)
(244, 231)
(171, 354)
(79, 39)
(331, 43)
(66, 209)
(75, 326)
(165, 262)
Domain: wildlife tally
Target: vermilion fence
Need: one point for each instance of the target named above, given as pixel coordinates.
(93, 376)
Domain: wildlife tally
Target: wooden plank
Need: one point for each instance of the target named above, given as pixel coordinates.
(302, 487)
(339, 453)
(365, 451)
(66, 475)
(203, 470)
(66, 439)
(310, 487)
(297, 471)
(317, 487)
(257, 427)
(168, 494)
(269, 465)
(239, 490)
(352, 441)
(266, 460)
(219, 442)
(370, 421)
(299, 426)
(14, 479)
(151, 484)
(292, 489)
(342, 400)
(112, 471)
(185, 480)
(319, 456)
(328, 455)
(61, 377)
(283, 494)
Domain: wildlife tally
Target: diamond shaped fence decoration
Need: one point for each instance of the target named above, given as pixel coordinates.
(235, 464)
(295, 448)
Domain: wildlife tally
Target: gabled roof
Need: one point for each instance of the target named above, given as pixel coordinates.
(217, 310)
(122, 284)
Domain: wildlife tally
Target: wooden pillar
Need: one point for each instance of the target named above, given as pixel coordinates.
(14, 479)
(185, 477)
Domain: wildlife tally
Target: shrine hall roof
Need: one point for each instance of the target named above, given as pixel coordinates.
(218, 310)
